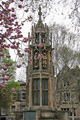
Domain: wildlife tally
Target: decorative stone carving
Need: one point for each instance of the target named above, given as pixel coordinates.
(35, 60)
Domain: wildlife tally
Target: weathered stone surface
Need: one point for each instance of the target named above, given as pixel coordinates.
(36, 71)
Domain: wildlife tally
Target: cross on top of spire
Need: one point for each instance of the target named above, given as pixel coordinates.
(39, 13)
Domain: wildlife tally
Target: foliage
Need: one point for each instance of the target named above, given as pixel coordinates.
(8, 88)
(66, 51)
(66, 55)
(10, 29)
(6, 93)
(11, 24)
(7, 66)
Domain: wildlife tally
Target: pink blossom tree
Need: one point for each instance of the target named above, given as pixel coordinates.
(10, 33)
(11, 36)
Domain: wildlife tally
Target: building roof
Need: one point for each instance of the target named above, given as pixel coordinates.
(22, 83)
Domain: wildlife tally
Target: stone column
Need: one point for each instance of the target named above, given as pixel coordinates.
(40, 91)
(30, 93)
(38, 112)
(40, 84)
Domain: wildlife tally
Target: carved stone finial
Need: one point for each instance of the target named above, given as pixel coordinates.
(39, 13)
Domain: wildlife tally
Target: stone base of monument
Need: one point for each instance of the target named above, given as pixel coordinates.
(45, 115)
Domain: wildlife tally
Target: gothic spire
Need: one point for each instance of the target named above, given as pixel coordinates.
(39, 13)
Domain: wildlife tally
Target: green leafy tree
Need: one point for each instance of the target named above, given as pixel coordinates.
(7, 66)
(8, 87)
(7, 93)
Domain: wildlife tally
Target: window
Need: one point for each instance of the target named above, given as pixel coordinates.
(36, 91)
(37, 38)
(23, 95)
(66, 96)
(72, 112)
(3, 111)
(43, 37)
(66, 83)
(68, 110)
(13, 109)
(65, 109)
(22, 107)
(30, 115)
(44, 91)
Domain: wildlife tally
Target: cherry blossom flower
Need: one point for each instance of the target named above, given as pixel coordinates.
(29, 61)
(40, 45)
(27, 50)
(29, 55)
(5, 68)
(26, 10)
(3, 75)
(2, 85)
(7, 74)
(8, 56)
(30, 18)
(3, 2)
(25, 39)
(10, 33)
(39, 56)
(12, 89)
(5, 78)
(11, 1)
(21, 0)
(20, 6)
(0, 49)
(18, 66)
(20, 55)
(12, 9)
(8, 64)
(1, 54)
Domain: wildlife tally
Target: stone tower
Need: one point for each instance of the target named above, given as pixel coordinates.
(40, 92)
(40, 70)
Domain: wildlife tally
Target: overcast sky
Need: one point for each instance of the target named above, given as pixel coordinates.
(59, 14)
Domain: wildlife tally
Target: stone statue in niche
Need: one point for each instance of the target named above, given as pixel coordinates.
(36, 61)
(37, 38)
(42, 37)
(44, 60)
